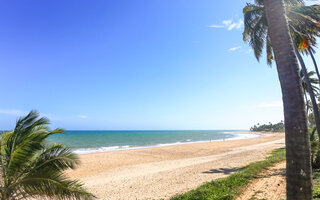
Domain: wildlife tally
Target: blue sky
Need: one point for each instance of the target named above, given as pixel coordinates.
(142, 64)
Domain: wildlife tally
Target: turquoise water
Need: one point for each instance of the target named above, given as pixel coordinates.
(100, 141)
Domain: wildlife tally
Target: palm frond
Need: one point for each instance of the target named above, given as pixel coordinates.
(29, 168)
(269, 50)
(53, 185)
(304, 24)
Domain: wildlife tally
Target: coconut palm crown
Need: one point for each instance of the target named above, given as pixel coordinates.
(304, 26)
(30, 168)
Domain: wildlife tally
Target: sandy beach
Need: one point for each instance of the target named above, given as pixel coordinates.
(162, 172)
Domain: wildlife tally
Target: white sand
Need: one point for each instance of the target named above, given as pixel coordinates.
(163, 172)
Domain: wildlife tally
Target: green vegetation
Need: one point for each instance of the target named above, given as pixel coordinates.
(316, 184)
(315, 160)
(29, 168)
(314, 144)
(228, 188)
(278, 127)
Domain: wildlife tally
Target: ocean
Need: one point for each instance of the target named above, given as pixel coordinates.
(89, 141)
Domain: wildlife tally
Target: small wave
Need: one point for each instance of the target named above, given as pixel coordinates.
(240, 136)
(236, 136)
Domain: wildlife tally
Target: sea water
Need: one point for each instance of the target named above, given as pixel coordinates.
(90, 141)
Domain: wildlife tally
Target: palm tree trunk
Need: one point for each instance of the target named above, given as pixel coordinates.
(313, 100)
(315, 65)
(310, 90)
(306, 101)
(298, 156)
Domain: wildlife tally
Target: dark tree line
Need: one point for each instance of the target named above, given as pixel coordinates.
(278, 127)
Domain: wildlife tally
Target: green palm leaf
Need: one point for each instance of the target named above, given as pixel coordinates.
(304, 24)
(30, 168)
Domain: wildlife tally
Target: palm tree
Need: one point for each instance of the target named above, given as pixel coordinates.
(305, 29)
(298, 158)
(311, 51)
(310, 91)
(304, 25)
(306, 89)
(30, 168)
(314, 81)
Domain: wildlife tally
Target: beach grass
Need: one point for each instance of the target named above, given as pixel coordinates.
(316, 184)
(229, 187)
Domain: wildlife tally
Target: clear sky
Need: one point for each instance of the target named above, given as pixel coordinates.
(133, 64)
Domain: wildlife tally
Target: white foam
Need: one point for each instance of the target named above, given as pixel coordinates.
(236, 136)
(239, 136)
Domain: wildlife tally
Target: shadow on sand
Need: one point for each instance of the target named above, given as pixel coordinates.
(222, 170)
(273, 172)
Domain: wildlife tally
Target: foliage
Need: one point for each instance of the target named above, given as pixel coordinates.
(314, 81)
(309, 108)
(29, 168)
(314, 143)
(311, 118)
(227, 188)
(304, 25)
(278, 127)
(316, 184)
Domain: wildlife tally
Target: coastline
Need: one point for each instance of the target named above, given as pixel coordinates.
(238, 135)
(161, 172)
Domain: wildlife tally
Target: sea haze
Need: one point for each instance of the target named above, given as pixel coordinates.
(90, 141)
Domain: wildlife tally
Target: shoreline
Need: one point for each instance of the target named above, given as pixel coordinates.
(162, 172)
(238, 135)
